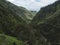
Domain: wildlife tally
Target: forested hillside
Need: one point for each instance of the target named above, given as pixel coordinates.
(13, 19)
(18, 27)
(47, 23)
(47, 11)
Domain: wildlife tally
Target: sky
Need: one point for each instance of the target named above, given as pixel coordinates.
(34, 5)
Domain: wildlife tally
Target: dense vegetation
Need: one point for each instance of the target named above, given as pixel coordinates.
(8, 40)
(47, 11)
(47, 23)
(13, 20)
(16, 27)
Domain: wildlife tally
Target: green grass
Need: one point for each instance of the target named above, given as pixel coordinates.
(8, 40)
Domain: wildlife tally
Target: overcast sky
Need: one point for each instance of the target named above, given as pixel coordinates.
(32, 4)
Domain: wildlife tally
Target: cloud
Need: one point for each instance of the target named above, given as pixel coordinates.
(11, 0)
(32, 4)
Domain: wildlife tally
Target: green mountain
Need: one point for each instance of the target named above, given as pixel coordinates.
(17, 10)
(45, 12)
(16, 28)
(47, 23)
(9, 20)
(13, 22)
(25, 14)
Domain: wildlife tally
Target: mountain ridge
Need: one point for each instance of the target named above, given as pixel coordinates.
(47, 23)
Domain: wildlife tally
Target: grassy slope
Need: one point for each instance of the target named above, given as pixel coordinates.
(8, 40)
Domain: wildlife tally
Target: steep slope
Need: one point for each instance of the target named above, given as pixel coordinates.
(12, 23)
(8, 19)
(47, 23)
(26, 14)
(50, 28)
(45, 12)
(21, 11)
(8, 40)
(33, 13)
